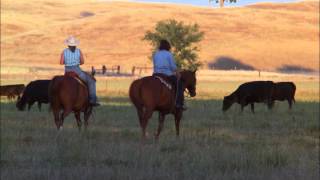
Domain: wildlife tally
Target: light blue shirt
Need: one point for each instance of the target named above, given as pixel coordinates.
(71, 58)
(163, 62)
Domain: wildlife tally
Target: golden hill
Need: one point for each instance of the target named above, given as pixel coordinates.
(265, 36)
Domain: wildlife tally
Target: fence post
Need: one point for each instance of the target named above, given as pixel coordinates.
(133, 69)
(104, 69)
(118, 69)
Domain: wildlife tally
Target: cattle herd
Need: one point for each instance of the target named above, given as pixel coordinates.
(247, 93)
(35, 91)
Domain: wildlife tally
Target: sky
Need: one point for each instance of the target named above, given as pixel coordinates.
(206, 3)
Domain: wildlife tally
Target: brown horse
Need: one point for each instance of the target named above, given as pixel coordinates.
(150, 94)
(69, 94)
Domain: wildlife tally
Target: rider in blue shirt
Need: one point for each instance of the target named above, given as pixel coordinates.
(72, 58)
(164, 63)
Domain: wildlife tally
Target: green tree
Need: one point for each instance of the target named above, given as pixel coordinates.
(221, 2)
(181, 37)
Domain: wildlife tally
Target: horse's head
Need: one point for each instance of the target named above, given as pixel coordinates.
(228, 101)
(189, 80)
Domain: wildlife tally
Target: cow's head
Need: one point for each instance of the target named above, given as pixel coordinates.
(227, 102)
(21, 103)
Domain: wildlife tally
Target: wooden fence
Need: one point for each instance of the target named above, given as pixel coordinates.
(107, 70)
(139, 70)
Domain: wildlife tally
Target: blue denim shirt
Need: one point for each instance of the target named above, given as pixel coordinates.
(163, 62)
(71, 58)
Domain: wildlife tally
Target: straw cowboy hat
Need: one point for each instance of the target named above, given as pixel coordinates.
(71, 41)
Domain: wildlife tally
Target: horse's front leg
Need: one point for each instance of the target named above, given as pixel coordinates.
(77, 116)
(160, 126)
(177, 118)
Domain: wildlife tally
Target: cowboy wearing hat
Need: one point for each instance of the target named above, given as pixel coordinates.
(72, 57)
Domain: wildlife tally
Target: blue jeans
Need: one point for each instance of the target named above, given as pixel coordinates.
(86, 78)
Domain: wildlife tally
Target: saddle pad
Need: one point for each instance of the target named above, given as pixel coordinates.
(76, 77)
(168, 85)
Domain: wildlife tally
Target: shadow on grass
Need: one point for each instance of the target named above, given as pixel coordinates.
(228, 63)
(294, 69)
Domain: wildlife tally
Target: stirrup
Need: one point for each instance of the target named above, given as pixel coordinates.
(94, 104)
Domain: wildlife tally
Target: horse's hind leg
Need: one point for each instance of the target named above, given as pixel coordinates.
(160, 126)
(140, 114)
(77, 116)
(146, 116)
(63, 115)
(87, 115)
(56, 114)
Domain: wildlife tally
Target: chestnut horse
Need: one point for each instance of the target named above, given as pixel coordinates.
(149, 94)
(69, 94)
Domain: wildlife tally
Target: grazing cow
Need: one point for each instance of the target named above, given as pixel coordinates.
(250, 93)
(11, 91)
(36, 91)
(284, 91)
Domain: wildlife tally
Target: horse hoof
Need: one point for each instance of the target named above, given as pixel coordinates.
(61, 127)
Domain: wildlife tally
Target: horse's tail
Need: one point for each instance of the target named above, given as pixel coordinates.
(134, 93)
(54, 92)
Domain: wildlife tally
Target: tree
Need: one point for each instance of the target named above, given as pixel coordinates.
(223, 1)
(181, 38)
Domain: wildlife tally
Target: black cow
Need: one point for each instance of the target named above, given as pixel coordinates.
(250, 93)
(36, 91)
(284, 91)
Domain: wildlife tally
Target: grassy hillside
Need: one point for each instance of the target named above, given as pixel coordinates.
(265, 36)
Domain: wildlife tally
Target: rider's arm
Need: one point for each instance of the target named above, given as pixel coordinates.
(62, 59)
(81, 58)
(172, 63)
(173, 66)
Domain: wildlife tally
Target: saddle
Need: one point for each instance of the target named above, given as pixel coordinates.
(76, 77)
(166, 80)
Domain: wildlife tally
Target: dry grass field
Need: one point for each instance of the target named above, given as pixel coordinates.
(265, 36)
(277, 144)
